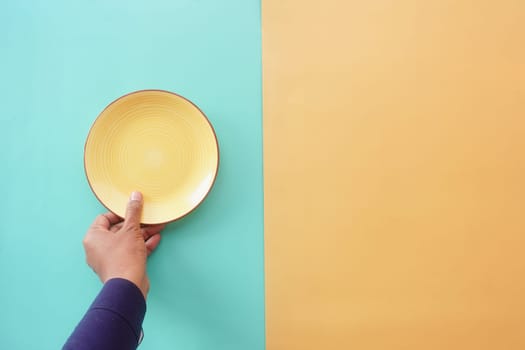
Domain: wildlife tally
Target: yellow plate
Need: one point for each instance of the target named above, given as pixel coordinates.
(156, 142)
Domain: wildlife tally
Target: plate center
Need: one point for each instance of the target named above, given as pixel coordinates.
(154, 158)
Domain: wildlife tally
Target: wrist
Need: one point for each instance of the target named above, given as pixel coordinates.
(141, 283)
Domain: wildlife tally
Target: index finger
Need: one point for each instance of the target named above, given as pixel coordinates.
(106, 220)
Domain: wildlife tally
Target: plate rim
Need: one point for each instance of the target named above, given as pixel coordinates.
(205, 118)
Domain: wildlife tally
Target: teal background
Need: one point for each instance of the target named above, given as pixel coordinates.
(61, 63)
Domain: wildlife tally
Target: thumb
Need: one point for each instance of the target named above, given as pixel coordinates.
(134, 210)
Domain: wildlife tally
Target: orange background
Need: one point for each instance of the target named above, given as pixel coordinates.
(394, 136)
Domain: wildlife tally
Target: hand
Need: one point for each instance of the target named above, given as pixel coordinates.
(119, 248)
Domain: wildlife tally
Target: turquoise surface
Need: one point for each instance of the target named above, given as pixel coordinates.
(61, 63)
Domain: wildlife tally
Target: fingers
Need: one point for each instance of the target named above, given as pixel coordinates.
(116, 227)
(149, 231)
(106, 220)
(152, 243)
(112, 218)
(134, 211)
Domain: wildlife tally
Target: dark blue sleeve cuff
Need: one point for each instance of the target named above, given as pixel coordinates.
(125, 299)
(113, 321)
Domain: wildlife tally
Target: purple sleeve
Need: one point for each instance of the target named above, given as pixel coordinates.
(113, 321)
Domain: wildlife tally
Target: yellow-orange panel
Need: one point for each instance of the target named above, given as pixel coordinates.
(394, 135)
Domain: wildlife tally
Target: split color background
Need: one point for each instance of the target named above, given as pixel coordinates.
(393, 170)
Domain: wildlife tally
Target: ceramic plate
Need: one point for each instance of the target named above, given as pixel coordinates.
(156, 142)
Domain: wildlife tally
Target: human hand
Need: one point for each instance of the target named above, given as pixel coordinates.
(119, 248)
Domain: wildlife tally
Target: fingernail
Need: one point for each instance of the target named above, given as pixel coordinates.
(136, 196)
